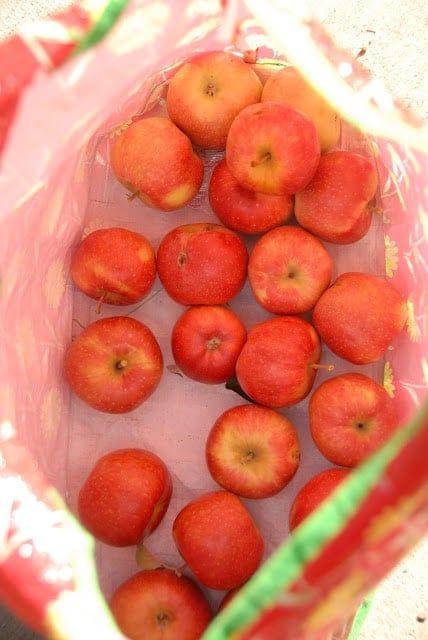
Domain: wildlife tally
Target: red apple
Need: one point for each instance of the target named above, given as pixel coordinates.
(206, 341)
(359, 316)
(158, 604)
(278, 363)
(288, 270)
(313, 493)
(350, 417)
(242, 209)
(218, 540)
(272, 148)
(288, 85)
(335, 204)
(115, 266)
(202, 263)
(206, 94)
(155, 160)
(252, 451)
(114, 364)
(125, 496)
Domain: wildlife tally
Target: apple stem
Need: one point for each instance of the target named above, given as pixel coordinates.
(327, 367)
(178, 570)
(121, 364)
(133, 195)
(264, 158)
(250, 456)
(213, 343)
(100, 302)
(250, 56)
(146, 560)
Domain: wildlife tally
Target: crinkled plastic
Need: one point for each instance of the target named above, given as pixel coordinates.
(56, 187)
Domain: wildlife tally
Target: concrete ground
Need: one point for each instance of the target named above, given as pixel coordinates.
(394, 37)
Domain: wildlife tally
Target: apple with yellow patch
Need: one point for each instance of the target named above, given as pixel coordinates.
(114, 364)
(156, 161)
(288, 270)
(206, 94)
(272, 148)
(252, 451)
(288, 85)
(114, 266)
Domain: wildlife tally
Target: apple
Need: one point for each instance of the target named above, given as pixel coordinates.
(288, 85)
(278, 363)
(350, 417)
(114, 364)
(244, 210)
(313, 493)
(156, 161)
(125, 496)
(207, 92)
(114, 266)
(273, 148)
(359, 316)
(202, 263)
(218, 539)
(288, 270)
(160, 605)
(252, 451)
(206, 341)
(335, 205)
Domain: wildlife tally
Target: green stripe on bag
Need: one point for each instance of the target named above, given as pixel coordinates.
(106, 21)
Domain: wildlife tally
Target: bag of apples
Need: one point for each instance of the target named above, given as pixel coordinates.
(214, 370)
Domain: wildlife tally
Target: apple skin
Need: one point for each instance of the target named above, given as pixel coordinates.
(350, 417)
(278, 363)
(288, 85)
(310, 496)
(359, 315)
(202, 263)
(160, 605)
(218, 539)
(244, 210)
(335, 204)
(115, 266)
(252, 451)
(272, 148)
(206, 94)
(156, 161)
(206, 341)
(288, 270)
(125, 496)
(114, 364)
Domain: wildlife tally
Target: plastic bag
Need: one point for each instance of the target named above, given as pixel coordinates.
(56, 187)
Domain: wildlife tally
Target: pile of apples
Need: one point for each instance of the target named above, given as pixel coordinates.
(281, 179)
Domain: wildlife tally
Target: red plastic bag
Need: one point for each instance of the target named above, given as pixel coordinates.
(56, 186)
